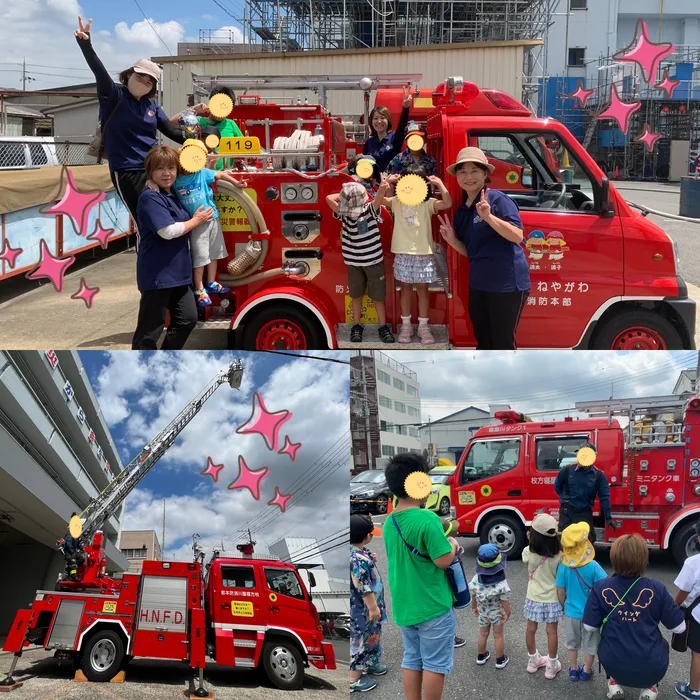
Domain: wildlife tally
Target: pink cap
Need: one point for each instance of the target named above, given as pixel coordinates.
(146, 67)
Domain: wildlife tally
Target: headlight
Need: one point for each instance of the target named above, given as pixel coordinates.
(435, 491)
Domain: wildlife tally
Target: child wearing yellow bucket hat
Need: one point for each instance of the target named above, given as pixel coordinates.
(575, 578)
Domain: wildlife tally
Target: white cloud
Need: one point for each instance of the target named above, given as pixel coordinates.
(208, 17)
(228, 33)
(146, 33)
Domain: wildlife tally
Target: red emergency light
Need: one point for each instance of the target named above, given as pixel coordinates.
(509, 417)
(246, 549)
(454, 90)
(503, 100)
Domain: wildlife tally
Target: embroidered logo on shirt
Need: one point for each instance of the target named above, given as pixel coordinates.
(477, 219)
(151, 113)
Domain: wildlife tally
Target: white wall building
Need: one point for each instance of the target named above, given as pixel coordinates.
(598, 28)
(56, 454)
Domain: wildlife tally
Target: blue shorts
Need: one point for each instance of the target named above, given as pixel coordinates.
(429, 645)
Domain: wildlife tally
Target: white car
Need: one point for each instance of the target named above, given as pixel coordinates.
(27, 152)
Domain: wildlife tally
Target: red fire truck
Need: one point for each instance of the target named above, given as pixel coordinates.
(506, 474)
(241, 610)
(603, 276)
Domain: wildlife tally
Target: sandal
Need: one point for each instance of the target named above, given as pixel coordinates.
(406, 333)
(216, 288)
(356, 333)
(385, 334)
(202, 297)
(425, 335)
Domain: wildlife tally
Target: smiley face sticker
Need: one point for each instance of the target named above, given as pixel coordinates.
(418, 485)
(415, 142)
(486, 490)
(193, 156)
(220, 106)
(586, 456)
(364, 168)
(411, 190)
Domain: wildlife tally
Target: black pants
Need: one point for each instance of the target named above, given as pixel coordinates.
(129, 185)
(568, 516)
(179, 301)
(495, 317)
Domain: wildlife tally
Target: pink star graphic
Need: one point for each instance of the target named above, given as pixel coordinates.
(645, 53)
(74, 204)
(9, 254)
(580, 94)
(648, 138)
(101, 234)
(248, 479)
(87, 294)
(666, 84)
(212, 469)
(619, 111)
(280, 499)
(264, 422)
(290, 448)
(50, 267)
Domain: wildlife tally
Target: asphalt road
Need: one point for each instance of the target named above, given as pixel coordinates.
(472, 682)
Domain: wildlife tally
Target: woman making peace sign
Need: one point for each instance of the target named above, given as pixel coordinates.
(134, 118)
(384, 144)
(489, 232)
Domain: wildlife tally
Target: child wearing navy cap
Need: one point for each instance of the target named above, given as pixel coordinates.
(490, 602)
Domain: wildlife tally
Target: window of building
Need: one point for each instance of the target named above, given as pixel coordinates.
(576, 57)
(399, 406)
(135, 553)
(398, 384)
(383, 377)
(413, 412)
(401, 430)
(556, 453)
(402, 450)
(284, 582)
(413, 432)
(384, 401)
(388, 451)
(237, 577)
(386, 426)
(412, 391)
(578, 4)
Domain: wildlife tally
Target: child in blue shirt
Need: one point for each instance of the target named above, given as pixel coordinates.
(575, 578)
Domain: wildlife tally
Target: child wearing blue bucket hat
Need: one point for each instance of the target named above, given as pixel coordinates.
(491, 602)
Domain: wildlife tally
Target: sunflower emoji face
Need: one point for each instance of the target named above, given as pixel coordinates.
(418, 486)
(486, 490)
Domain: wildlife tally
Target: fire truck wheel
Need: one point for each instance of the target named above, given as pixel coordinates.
(445, 506)
(283, 664)
(283, 327)
(640, 329)
(102, 656)
(506, 532)
(685, 543)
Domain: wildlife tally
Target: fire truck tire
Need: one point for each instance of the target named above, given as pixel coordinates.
(283, 664)
(286, 324)
(103, 656)
(684, 543)
(638, 329)
(506, 532)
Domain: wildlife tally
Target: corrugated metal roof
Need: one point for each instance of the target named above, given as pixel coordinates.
(20, 111)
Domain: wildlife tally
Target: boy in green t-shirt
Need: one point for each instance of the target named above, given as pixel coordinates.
(420, 594)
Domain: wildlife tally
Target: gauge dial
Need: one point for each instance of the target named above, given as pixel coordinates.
(307, 193)
(290, 193)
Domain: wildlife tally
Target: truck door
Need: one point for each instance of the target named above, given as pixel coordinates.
(288, 602)
(490, 478)
(549, 454)
(575, 254)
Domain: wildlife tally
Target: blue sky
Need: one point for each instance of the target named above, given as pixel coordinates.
(140, 393)
(41, 31)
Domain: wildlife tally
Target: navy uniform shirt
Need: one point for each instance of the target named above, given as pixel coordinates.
(496, 264)
(161, 263)
(390, 146)
(584, 486)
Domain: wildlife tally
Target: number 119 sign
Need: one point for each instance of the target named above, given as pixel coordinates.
(241, 145)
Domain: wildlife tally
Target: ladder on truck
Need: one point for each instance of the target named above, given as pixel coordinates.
(651, 409)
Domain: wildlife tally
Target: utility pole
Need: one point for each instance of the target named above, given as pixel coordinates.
(162, 546)
(365, 410)
(25, 77)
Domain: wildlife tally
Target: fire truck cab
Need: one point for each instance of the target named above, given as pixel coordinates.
(507, 472)
(602, 275)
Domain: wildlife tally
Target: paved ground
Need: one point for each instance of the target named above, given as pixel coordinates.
(34, 316)
(468, 680)
(45, 679)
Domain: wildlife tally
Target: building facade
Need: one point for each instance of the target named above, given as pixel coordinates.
(139, 545)
(385, 412)
(56, 454)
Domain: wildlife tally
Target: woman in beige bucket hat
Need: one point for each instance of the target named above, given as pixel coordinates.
(488, 230)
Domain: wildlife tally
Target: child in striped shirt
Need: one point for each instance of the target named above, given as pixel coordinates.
(362, 251)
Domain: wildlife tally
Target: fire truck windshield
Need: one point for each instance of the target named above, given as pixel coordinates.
(490, 457)
(284, 582)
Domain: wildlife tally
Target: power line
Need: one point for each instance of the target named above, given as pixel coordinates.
(152, 27)
(307, 357)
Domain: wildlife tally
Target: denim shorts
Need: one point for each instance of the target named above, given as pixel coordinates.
(429, 645)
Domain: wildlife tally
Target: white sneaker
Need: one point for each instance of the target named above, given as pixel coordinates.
(535, 663)
(615, 691)
(553, 667)
(649, 693)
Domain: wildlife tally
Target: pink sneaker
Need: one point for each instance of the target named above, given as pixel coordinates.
(553, 667)
(425, 335)
(405, 334)
(535, 663)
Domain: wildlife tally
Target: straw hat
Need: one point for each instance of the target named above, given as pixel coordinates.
(577, 548)
(470, 155)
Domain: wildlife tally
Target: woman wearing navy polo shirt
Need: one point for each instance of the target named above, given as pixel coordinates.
(383, 144)
(134, 118)
(489, 232)
(163, 261)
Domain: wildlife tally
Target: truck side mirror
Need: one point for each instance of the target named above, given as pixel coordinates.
(605, 209)
(312, 580)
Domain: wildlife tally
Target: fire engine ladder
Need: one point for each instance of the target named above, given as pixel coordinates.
(652, 407)
(107, 502)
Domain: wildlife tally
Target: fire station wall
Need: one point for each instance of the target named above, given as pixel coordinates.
(488, 64)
